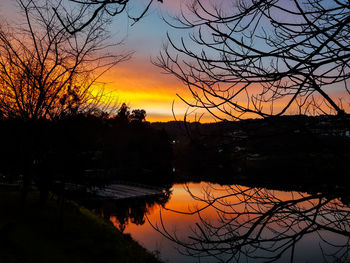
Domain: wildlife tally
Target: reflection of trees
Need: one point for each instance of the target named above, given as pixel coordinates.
(263, 225)
(122, 212)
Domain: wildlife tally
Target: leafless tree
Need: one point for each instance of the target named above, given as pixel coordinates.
(91, 10)
(262, 58)
(262, 225)
(45, 72)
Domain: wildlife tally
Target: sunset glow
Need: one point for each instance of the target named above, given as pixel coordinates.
(178, 131)
(138, 82)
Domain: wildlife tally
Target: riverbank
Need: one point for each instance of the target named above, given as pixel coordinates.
(49, 234)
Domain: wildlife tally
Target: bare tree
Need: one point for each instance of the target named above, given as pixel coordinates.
(45, 72)
(262, 58)
(91, 10)
(263, 225)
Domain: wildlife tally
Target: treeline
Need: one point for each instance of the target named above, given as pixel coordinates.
(91, 148)
(280, 151)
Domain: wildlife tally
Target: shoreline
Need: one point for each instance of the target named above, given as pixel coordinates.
(49, 234)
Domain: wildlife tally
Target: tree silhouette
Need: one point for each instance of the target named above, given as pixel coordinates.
(44, 71)
(91, 10)
(123, 114)
(46, 75)
(138, 115)
(262, 58)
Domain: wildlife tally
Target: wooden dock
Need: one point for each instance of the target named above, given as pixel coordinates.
(121, 191)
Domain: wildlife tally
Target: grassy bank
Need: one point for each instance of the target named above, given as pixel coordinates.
(43, 234)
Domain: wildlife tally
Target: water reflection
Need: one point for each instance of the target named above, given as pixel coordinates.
(212, 223)
(125, 211)
(242, 224)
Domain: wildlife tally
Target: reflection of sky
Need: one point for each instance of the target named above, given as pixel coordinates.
(307, 249)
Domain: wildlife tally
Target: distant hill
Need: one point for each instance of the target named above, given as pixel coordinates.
(299, 147)
(321, 125)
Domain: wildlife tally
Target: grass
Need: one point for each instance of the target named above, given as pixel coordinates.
(40, 234)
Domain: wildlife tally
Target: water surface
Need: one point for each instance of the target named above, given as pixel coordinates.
(203, 222)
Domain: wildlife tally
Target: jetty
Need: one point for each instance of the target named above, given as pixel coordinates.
(118, 190)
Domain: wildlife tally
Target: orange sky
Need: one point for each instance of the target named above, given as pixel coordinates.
(138, 82)
(142, 85)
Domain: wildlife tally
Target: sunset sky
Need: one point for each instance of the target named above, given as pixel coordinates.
(137, 81)
(141, 84)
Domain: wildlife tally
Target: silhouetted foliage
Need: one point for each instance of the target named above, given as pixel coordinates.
(87, 150)
(123, 114)
(138, 115)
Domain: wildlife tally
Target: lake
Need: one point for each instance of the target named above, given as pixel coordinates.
(204, 222)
